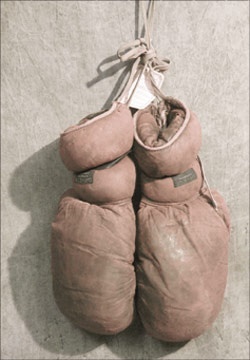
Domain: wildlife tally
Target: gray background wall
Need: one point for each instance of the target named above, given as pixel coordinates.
(50, 54)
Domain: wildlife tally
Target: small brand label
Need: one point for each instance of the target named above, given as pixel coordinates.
(85, 177)
(184, 178)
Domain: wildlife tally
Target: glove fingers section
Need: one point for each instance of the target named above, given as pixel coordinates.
(166, 148)
(99, 140)
(92, 255)
(182, 267)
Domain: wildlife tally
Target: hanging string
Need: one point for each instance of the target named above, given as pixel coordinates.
(144, 54)
(148, 21)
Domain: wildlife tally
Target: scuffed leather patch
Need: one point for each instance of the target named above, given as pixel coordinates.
(86, 177)
(184, 178)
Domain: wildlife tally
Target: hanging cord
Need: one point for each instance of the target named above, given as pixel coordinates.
(145, 56)
(214, 203)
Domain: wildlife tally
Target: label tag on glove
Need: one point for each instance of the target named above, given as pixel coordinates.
(143, 94)
(84, 177)
(184, 178)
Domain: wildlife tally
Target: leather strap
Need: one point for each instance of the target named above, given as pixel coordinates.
(107, 165)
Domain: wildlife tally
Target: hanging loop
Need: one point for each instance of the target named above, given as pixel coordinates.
(142, 51)
(132, 50)
(139, 49)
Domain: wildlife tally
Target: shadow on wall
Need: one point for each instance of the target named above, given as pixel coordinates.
(103, 74)
(35, 187)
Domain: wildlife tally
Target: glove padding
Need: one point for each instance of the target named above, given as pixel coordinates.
(93, 234)
(182, 241)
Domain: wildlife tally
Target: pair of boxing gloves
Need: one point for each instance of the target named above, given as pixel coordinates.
(179, 234)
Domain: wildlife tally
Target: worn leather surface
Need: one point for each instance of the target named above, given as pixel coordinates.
(169, 189)
(92, 255)
(182, 240)
(109, 184)
(93, 143)
(93, 234)
(182, 265)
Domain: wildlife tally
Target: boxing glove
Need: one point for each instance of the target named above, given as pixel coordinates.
(183, 228)
(93, 234)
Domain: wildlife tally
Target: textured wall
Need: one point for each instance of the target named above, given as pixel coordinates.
(50, 54)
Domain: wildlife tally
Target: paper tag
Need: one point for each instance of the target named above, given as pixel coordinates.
(143, 94)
